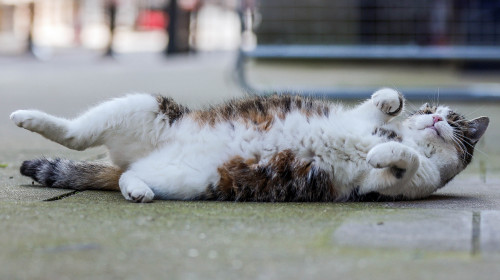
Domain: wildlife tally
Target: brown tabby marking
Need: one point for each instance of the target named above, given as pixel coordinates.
(108, 180)
(171, 109)
(283, 178)
(261, 111)
(390, 135)
(427, 110)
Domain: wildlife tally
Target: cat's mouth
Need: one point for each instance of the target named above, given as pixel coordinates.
(435, 130)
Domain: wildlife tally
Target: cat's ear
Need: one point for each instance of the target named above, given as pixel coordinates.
(477, 127)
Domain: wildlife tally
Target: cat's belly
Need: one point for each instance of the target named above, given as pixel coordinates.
(189, 159)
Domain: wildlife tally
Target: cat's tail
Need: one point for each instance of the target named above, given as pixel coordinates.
(69, 174)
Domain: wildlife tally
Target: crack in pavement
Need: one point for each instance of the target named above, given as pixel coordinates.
(62, 196)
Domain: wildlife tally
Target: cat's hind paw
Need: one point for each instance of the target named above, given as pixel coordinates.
(28, 119)
(388, 100)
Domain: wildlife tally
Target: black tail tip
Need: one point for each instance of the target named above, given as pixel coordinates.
(31, 168)
(42, 170)
(28, 168)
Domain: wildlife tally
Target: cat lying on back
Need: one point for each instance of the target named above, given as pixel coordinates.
(276, 148)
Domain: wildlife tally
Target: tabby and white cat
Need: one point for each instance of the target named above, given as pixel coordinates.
(275, 148)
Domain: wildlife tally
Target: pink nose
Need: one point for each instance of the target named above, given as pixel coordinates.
(436, 119)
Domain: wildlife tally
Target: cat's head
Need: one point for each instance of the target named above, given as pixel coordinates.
(446, 137)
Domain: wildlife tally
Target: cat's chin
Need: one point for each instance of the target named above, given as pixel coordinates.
(432, 132)
(432, 128)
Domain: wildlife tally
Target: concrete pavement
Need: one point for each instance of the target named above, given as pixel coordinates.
(63, 234)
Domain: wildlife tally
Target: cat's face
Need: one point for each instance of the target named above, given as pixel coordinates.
(446, 137)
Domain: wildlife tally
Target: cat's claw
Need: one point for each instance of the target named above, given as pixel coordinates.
(388, 101)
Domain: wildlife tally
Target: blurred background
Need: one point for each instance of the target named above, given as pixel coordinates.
(46, 27)
(340, 48)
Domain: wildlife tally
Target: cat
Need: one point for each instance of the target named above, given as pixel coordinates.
(264, 148)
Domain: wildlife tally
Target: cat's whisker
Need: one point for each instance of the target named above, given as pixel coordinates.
(432, 101)
(455, 122)
(470, 114)
(463, 149)
(412, 106)
(462, 139)
(476, 149)
(458, 142)
(438, 98)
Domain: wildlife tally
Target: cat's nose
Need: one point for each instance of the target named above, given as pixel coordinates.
(436, 118)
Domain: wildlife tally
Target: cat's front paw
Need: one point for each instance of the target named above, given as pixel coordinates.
(139, 194)
(381, 156)
(395, 156)
(28, 119)
(385, 156)
(388, 101)
(390, 154)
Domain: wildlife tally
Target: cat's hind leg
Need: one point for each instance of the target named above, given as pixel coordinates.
(129, 126)
(51, 127)
(94, 126)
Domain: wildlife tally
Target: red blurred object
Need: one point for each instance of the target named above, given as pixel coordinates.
(152, 20)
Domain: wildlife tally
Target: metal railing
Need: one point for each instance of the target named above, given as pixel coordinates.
(410, 31)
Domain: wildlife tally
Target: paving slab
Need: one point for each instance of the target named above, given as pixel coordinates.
(19, 192)
(465, 192)
(99, 235)
(83, 238)
(490, 232)
(78, 237)
(442, 230)
(16, 187)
